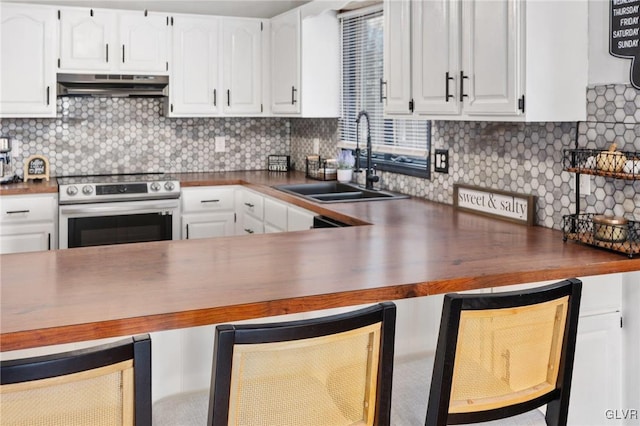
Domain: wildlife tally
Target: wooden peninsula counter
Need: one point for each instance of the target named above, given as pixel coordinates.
(412, 248)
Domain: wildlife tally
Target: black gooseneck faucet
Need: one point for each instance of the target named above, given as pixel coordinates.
(370, 178)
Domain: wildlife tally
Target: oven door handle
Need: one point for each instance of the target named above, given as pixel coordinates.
(124, 207)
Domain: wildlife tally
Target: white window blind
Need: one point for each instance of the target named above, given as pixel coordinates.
(362, 73)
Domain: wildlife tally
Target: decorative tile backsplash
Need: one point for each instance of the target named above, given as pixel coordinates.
(122, 135)
(127, 135)
(519, 157)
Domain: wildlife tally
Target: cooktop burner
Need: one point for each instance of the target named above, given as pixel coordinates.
(123, 187)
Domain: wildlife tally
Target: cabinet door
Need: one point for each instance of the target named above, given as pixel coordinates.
(250, 225)
(242, 65)
(87, 39)
(26, 238)
(490, 47)
(299, 219)
(275, 214)
(207, 226)
(597, 372)
(285, 63)
(194, 75)
(397, 57)
(144, 42)
(435, 56)
(27, 71)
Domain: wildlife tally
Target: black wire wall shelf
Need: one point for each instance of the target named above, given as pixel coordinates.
(619, 238)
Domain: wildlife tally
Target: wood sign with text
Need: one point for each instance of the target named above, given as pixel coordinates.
(624, 34)
(36, 167)
(517, 208)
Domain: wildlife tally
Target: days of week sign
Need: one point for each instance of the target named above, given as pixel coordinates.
(624, 39)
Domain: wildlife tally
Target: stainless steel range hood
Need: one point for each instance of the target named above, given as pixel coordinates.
(113, 85)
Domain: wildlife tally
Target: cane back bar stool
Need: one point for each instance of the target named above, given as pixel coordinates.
(335, 370)
(106, 385)
(504, 354)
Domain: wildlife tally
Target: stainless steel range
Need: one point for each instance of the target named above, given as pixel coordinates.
(116, 209)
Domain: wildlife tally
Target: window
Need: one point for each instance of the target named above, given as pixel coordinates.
(400, 146)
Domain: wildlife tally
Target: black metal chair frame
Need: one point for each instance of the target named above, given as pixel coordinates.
(557, 400)
(229, 335)
(137, 348)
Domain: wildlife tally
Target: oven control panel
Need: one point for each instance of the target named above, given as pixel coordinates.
(84, 192)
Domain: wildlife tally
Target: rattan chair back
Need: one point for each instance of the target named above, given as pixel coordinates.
(334, 370)
(106, 385)
(503, 354)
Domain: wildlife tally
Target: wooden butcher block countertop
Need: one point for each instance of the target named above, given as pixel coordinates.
(412, 247)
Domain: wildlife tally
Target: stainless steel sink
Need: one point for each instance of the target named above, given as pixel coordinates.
(336, 192)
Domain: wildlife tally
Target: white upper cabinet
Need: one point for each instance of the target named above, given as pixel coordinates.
(506, 60)
(144, 42)
(491, 53)
(436, 57)
(242, 65)
(285, 62)
(102, 40)
(194, 76)
(396, 88)
(305, 62)
(27, 66)
(87, 39)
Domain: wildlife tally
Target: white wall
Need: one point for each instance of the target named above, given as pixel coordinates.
(603, 68)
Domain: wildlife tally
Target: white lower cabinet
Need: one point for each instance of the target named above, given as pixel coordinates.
(596, 385)
(28, 223)
(207, 225)
(275, 216)
(251, 225)
(299, 219)
(208, 212)
(250, 212)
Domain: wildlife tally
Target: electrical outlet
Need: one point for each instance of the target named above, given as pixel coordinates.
(220, 144)
(585, 184)
(441, 160)
(316, 145)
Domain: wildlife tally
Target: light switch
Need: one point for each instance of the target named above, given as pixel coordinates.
(220, 144)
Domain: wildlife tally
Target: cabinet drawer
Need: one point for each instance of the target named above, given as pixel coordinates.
(253, 204)
(28, 208)
(251, 225)
(275, 214)
(196, 200)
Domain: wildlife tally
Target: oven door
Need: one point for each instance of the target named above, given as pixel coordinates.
(84, 225)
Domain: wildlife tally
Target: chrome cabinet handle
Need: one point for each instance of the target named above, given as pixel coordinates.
(228, 97)
(249, 205)
(18, 211)
(49, 241)
(210, 201)
(248, 231)
(293, 95)
(123, 53)
(187, 232)
(215, 97)
(107, 51)
(382, 85)
(48, 95)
